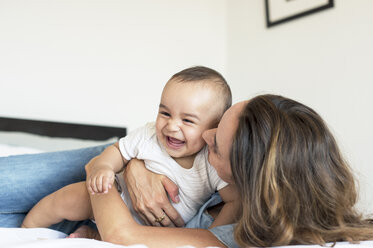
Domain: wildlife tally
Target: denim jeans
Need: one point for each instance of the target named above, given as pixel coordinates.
(26, 179)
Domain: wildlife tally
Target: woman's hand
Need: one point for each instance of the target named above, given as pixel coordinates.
(148, 194)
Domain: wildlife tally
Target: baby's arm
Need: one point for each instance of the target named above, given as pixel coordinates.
(101, 170)
(230, 211)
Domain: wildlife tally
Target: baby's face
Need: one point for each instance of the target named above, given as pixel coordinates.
(185, 112)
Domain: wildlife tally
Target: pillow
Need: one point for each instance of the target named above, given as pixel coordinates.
(13, 143)
(7, 150)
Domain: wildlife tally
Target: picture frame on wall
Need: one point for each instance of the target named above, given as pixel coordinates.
(280, 11)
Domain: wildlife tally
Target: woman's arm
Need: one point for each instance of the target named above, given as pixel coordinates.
(148, 194)
(116, 225)
(231, 209)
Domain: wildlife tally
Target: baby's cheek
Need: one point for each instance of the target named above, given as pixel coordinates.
(157, 126)
(195, 136)
(200, 142)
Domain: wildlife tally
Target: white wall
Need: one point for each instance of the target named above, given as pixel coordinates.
(105, 62)
(323, 60)
(102, 62)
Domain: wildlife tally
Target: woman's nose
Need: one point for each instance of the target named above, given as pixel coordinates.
(208, 136)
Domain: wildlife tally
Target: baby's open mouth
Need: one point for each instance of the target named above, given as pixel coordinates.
(174, 143)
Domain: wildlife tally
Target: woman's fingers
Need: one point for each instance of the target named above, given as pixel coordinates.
(148, 195)
(154, 211)
(173, 192)
(145, 219)
(142, 211)
(171, 188)
(154, 217)
(173, 216)
(161, 219)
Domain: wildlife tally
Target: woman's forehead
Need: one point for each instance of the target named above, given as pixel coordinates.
(228, 126)
(233, 113)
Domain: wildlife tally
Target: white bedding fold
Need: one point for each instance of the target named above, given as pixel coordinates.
(43, 237)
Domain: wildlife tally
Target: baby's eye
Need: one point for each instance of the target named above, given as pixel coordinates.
(188, 121)
(165, 113)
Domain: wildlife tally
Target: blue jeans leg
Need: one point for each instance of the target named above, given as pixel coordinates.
(25, 179)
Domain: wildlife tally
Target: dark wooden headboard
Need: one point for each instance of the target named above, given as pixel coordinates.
(60, 129)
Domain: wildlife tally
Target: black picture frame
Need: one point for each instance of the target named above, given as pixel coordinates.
(310, 10)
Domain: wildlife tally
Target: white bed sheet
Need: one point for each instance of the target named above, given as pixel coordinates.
(43, 237)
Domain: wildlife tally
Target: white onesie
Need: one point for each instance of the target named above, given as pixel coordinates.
(196, 184)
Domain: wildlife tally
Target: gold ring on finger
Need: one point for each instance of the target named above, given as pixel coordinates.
(159, 219)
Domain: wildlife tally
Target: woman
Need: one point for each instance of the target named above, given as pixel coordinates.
(294, 186)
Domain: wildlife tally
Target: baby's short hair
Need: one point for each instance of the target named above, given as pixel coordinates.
(206, 75)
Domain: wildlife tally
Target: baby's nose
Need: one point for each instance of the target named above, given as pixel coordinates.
(173, 125)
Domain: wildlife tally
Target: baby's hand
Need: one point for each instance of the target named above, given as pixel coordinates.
(100, 180)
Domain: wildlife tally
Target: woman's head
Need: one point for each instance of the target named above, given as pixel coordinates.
(219, 141)
(294, 185)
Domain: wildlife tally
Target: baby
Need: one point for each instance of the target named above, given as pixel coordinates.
(192, 102)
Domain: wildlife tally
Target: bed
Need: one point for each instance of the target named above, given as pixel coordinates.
(27, 136)
(20, 136)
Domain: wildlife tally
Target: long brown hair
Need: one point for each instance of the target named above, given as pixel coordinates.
(294, 185)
